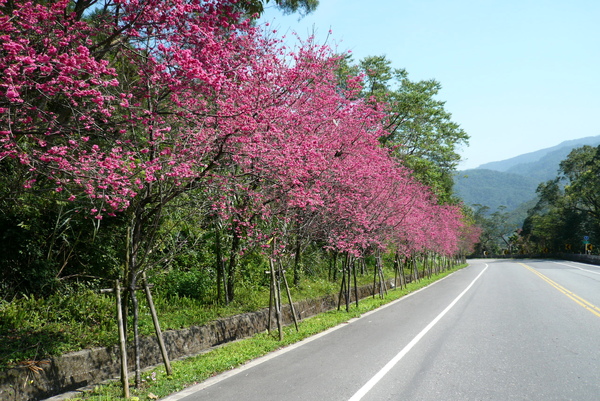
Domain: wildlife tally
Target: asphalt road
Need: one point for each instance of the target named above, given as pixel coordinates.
(497, 330)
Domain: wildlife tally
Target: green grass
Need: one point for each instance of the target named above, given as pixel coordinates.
(196, 369)
(33, 329)
(37, 328)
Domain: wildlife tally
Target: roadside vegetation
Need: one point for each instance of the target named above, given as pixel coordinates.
(181, 148)
(34, 329)
(193, 370)
(564, 218)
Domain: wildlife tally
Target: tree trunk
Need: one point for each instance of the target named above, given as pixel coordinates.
(122, 342)
(232, 265)
(334, 267)
(342, 289)
(347, 271)
(221, 277)
(297, 262)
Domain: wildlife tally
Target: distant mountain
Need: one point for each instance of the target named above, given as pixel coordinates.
(542, 163)
(513, 182)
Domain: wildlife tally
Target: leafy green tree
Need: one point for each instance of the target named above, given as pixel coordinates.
(46, 244)
(421, 132)
(496, 229)
(569, 206)
(581, 170)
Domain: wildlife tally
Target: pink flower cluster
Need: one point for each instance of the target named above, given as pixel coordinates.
(167, 97)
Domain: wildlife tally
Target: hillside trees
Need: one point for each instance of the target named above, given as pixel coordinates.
(569, 206)
(418, 128)
(495, 229)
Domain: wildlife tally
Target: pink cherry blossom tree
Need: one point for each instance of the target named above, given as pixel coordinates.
(137, 105)
(128, 110)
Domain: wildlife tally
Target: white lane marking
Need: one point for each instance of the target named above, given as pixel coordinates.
(375, 379)
(575, 267)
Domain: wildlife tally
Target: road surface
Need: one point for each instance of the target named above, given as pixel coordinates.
(496, 330)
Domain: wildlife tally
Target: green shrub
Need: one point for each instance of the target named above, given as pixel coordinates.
(195, 284)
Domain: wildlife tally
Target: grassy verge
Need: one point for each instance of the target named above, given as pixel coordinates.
(196, 369)
(32, 329)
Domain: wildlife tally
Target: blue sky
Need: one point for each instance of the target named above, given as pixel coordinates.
(517, 76)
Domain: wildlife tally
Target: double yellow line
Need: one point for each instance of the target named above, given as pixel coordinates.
(582, 302)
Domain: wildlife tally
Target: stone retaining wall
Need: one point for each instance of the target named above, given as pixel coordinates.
(92, 366)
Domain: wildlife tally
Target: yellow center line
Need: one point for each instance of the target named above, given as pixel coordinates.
(582, 302)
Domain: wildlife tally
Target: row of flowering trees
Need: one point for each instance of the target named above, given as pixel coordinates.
(125, 106)
(134, 110)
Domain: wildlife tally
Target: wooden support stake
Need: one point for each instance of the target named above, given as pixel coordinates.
(355, 283)
(271, 295)
(122, 344)
(159, 336)
(382, 283)
(289, 294)
(277, 298)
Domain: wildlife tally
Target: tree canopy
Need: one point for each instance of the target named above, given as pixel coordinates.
(303, 7)
(418, 129)
(121, 113)
(569, 206)
(140, 136)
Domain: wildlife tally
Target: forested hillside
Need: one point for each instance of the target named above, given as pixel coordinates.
(541, 202)
(567, 216)
(494, 188)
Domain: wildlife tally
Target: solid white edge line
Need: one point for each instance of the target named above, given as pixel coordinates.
(375, 379)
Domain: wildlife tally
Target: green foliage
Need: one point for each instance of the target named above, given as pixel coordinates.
(421, 132)
(581, 170)
(569, 206)
(303, 7)
(195, 284)
(35, 328)
(48, 246)
(496, 229)
(494, 189)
